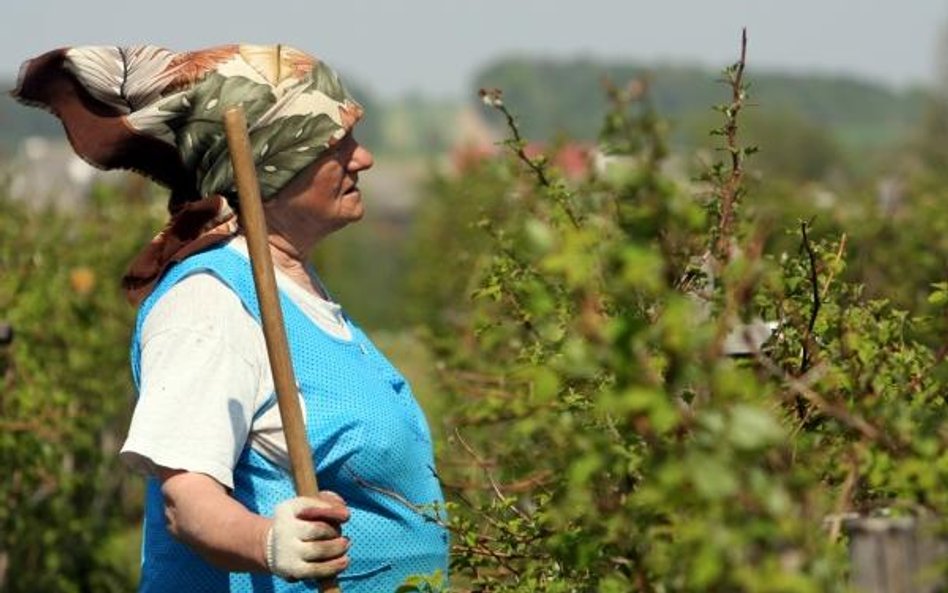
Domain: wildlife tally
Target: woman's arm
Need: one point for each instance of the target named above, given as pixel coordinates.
(302, 541)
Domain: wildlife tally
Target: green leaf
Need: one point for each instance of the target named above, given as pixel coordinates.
(939, 296)
(712, 476)
(752, 427)
(643, 268)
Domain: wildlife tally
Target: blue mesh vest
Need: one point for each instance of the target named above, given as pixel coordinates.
(368, 436)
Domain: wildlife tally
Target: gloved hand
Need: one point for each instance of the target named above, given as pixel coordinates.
(304, 541)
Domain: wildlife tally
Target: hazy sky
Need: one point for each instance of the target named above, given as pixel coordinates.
(395, 46)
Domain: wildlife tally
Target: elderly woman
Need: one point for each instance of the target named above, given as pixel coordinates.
(220, 511)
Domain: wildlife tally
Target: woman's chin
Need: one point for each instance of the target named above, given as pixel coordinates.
(354, 207)
(357, 216)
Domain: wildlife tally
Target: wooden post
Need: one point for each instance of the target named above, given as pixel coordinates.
(896, 555)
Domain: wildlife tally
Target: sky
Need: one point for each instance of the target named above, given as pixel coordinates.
(397, 47)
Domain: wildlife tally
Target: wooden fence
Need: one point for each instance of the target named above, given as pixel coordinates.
(897, 555)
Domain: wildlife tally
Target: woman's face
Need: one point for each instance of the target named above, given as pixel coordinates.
(325, 196)
(334, 194)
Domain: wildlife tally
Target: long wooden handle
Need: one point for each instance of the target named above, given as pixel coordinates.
(274, 331)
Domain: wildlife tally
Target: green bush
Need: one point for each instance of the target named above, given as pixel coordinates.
(602, 438)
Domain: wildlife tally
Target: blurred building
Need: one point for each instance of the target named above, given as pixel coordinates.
(573, 160)
(47, 173)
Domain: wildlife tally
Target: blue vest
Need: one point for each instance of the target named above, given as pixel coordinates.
(367, 433)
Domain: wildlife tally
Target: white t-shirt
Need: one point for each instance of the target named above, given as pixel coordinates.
(206, 386)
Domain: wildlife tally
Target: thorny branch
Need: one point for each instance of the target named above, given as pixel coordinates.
(730, 191)
(493, 98)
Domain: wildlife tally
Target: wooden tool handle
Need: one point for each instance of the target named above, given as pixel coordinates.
(274, 331)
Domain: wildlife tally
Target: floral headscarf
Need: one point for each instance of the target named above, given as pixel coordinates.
(160, 113)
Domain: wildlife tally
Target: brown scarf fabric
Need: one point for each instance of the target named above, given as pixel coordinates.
(197, 226)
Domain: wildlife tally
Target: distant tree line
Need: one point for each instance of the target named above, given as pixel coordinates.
(560, 97)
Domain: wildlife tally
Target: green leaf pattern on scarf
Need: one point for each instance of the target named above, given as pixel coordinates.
(327, 82)
(196, 116)
(291, 144)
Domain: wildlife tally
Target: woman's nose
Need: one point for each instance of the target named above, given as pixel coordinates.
(361, 160)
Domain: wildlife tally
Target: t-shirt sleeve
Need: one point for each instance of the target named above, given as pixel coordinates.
(200, 382)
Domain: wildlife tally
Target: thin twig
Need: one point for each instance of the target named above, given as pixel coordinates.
(492, 97)
(808, 341)
(490, 477)
(527, 484)
(475, 378)
(501, 557)
(460, 542)
(43, 426)
(845, 495)
(801, 387)
(836, 260)
(398, 498)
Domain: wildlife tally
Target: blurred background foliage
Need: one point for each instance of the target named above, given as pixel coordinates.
(70, 512)
(590, 435)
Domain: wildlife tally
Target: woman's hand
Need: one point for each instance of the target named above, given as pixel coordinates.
(304, 541)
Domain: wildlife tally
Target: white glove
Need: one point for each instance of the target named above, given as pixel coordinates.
(304, 541)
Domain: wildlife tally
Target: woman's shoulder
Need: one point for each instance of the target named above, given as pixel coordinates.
(217, 261)
(199, 302)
